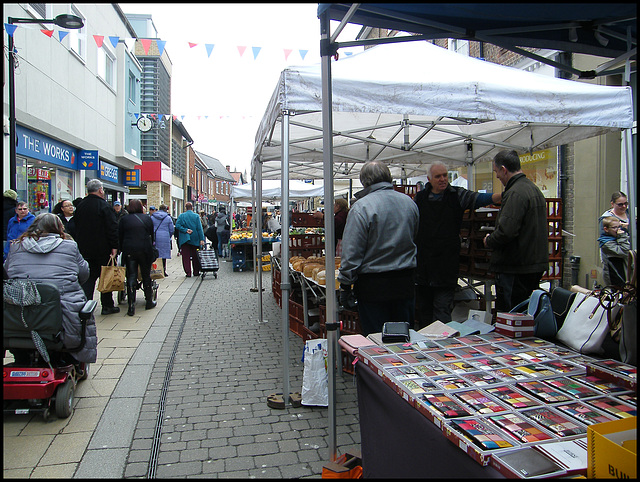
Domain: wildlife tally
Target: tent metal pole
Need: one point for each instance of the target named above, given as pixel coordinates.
(627, 149)
(284, 217)
(258, 172)
(327, 150)
(258, 238)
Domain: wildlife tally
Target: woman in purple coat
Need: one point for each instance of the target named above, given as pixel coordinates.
(164, 228)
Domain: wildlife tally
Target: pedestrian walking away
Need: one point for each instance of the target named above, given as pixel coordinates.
(136, 238)
(223, 231)
(163, 228)
(190, 238)
(95, 229)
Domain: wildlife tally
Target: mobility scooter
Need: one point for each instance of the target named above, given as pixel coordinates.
(43, 377)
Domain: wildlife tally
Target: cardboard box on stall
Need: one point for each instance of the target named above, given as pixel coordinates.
(612, 449)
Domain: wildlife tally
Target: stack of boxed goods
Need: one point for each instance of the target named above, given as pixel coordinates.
(515, 325)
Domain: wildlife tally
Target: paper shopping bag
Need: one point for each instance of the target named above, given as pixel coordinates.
(112, 277)
(157, 270)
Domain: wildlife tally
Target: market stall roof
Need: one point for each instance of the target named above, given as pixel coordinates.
(271, 189)
(603, 29)
(413, 104)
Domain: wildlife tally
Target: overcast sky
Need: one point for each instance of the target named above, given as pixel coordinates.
(232, 90)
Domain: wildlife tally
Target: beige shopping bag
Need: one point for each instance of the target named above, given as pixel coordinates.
(112, 277)
(157, 270)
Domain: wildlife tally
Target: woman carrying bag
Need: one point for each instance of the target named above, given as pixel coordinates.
(163, 229)
(136, 236)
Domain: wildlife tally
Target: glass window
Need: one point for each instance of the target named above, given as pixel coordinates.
(106, 65)
(78, 37)
(132, 88)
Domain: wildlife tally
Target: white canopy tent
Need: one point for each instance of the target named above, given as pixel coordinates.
(413, 104)
(408, 106)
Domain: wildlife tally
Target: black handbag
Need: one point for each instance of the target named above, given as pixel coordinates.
(561, 301)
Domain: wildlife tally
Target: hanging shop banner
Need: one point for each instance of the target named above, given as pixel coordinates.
(88, 160)
(132, 178)
(108, 172)
(38, 146)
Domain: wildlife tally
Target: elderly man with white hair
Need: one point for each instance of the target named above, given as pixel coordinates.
(441, 208)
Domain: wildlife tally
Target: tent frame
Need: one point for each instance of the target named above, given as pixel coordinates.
(328, 49)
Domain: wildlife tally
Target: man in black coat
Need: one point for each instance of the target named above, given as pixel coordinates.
(441, 208)
(94, 228)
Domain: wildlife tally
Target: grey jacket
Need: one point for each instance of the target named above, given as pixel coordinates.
(51, 258)
(520, 242)
(379, 233)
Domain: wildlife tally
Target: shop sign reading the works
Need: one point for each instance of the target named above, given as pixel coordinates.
(37, 146)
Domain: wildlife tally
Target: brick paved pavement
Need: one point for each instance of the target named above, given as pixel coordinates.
(216, 420)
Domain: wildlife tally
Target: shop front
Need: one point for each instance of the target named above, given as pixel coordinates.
(47, 170)
(112, 178)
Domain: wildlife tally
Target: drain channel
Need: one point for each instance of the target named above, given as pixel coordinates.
(155, 446)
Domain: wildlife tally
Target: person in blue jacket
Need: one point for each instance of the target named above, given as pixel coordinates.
(163, 228)
(190, 238)
(17, 225)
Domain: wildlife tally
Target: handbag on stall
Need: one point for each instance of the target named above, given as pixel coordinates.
(561, 301)
(588, 322)
(540, 307)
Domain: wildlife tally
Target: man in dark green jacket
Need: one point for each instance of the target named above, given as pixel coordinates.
(520, 241)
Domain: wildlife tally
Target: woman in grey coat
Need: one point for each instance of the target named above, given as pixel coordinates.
(45, 252)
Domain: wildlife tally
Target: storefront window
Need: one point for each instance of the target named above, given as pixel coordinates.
(540, 166)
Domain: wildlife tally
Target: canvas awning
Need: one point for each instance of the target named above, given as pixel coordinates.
(429, 104)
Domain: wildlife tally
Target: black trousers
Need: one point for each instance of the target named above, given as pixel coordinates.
(512, 289)
(95, 266)
(134, 260)
(433, 303)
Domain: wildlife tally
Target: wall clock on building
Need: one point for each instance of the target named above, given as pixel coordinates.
(144, 124)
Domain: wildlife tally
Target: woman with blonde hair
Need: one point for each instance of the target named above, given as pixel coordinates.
(46, 252)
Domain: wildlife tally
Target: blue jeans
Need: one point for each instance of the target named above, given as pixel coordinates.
(375, 314)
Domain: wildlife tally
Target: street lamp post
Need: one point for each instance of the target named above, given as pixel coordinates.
(65, 21)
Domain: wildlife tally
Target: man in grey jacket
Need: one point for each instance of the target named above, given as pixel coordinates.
(520, 241)
(378, 251)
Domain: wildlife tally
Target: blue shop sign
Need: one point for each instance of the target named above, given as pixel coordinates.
(108, 172)
(38, 146)
(88, 160)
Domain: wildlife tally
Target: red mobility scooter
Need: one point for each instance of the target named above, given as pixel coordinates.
(42, 378)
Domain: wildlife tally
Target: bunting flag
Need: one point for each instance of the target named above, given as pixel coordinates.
(10, 28)
(146, 43)
(161, 44)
